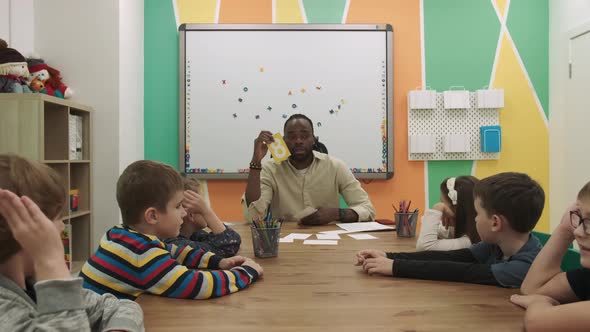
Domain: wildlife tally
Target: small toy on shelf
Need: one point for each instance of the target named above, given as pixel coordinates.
(50, 77)
(13, 70)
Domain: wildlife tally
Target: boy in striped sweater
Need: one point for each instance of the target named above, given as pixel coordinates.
(132, 260)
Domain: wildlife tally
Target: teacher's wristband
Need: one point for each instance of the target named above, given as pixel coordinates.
(257, 166)
(341, 214)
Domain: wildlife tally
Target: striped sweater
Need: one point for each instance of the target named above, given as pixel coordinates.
(128, 264)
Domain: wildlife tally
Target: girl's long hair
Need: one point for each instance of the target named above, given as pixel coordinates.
(465, 209)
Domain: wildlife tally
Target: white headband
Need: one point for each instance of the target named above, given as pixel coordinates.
(452, 192)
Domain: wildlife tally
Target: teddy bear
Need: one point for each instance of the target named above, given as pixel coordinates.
(50, 77)
(13, 70)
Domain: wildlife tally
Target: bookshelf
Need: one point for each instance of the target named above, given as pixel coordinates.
(37, 126)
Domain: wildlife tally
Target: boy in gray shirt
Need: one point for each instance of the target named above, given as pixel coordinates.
(36, 289)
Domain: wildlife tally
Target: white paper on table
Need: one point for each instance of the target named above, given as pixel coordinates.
(362, 236)
(340, 231)
(297, 236)
(286, 240)
(321, 242)
(364, 226)
(321, 236)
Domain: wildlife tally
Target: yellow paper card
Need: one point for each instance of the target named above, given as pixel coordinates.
(278, 149)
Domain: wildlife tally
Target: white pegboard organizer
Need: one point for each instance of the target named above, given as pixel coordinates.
(439, 122)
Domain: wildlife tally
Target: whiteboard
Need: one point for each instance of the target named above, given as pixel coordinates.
(236, 80)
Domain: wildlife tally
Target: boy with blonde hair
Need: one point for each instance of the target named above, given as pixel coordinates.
(221, 240)
(132, 260)
(36, 289)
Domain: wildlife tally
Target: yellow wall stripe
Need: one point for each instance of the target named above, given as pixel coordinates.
(288, 11)
(502, 6)
(197, 11)
(525, 137)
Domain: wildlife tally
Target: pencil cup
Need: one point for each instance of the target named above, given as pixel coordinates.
(266, 241)
(405, 224)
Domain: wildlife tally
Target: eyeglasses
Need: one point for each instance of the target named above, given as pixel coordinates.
(577, 220)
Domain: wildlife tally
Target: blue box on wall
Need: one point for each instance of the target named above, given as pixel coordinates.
(491, 138)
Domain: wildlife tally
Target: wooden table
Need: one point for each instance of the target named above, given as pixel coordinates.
(317, 288)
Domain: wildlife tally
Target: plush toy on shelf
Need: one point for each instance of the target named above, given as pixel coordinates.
(36, 85)
(13, 70)
(50, 77)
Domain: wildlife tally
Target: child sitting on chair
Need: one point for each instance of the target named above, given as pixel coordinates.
(132, 260)
(37, 292)
(508, 206)
(450, 224)
(222, 240)
(556, 300)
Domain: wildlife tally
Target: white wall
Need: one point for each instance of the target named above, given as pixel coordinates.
(98, 47)
(131, 146)
(16, 24)
(5, 20)
(563, 17)
(84, 44)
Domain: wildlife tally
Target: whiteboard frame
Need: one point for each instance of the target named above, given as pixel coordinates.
(183, 28)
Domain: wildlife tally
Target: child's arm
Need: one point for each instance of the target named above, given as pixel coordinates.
(196, 204)
(429, 239)
(106, 312)
(225, 244)
(474, 273)
(545, 314)
(59, 308)
(545, 276)
(193, 258)
(177, 281)
(455, 265)
(459, 255)
(213, 222)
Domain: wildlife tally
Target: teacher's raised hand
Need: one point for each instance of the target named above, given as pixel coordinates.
(260, 145)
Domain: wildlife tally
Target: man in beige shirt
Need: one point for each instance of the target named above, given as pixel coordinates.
(308, 179)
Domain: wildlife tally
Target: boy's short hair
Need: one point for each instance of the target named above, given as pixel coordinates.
(584, 193)
(190, 183)
(515, 196)
(145, 184)
(25, 177)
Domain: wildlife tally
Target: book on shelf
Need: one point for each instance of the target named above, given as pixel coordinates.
(75, 139)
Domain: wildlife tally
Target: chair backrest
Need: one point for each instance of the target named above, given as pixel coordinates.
(570, 261)
(343, 204)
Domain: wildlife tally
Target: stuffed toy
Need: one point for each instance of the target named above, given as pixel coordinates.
(36, 85)
(50, 77)
(13, 70)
